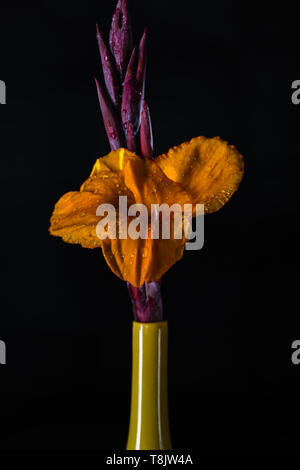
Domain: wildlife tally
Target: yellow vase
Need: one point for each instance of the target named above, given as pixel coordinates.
(149, 421)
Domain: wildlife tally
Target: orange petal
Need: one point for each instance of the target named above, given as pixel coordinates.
(149, 184)
(127, 259)
(74, 218)
(113, 162)
(107, 177)
(140, 261)
(210, 170)
(109, 186)
(165, 254)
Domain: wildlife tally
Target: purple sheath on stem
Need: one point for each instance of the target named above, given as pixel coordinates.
(146, 302)
(111, 123)
(110, 74)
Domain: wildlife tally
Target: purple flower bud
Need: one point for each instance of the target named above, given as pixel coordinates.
(120, 37)
(113, 129)
(146, 136)
(109, 70)
(134, 86)
(130, 107)
(142, 63)
(131, 140)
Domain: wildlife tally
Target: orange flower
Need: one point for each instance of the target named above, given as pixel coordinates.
(202, 171)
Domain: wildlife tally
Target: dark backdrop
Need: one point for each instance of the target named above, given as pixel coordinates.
(215, 68)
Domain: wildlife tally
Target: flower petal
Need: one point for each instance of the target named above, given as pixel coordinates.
(210, 170)
(109, 186)
(142, 180)
(107, 177)
(140, 261)
(127, 259)
(74, 219)
(74, 216)
(149, 185)
(113, 162)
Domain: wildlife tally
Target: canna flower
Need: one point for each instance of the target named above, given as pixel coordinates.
(203, 171)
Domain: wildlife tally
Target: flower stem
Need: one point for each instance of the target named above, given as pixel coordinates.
(146, 302)
(127, 66)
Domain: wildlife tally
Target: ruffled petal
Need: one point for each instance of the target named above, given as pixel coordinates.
(109, 186)
(149, 185)
(140, 261)
(129, 259)
(114, 162)
(209, 169)
(142, 180)
(74, 218)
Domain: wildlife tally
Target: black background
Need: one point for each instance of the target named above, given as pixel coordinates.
(215, 68)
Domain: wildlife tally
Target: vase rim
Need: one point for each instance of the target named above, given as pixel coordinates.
(149, 324)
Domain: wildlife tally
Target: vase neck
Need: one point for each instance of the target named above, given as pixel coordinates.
(149, 424)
